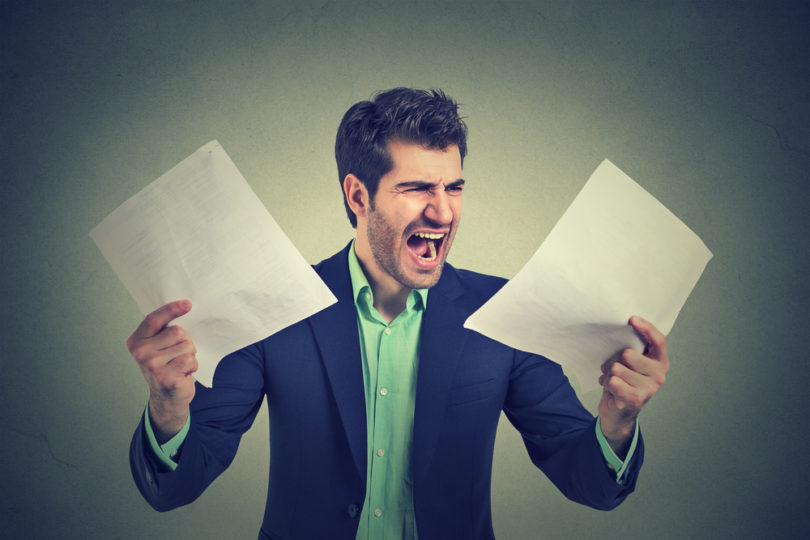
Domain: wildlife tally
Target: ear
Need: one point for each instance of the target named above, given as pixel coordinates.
(356, 195)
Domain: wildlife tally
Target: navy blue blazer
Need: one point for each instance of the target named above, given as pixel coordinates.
(311, 375)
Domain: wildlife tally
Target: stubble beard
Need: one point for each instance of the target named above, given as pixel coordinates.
(385, 243)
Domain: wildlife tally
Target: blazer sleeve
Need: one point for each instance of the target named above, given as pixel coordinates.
(559, 434)
(219, 417)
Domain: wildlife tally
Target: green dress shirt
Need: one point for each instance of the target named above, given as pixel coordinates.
(390, 356)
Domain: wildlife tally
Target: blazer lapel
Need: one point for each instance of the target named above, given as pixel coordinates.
(335, 330)
(442, 341)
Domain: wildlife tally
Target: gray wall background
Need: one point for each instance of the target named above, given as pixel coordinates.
(706, 104)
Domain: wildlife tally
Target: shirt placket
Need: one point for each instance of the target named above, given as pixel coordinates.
(384, 393)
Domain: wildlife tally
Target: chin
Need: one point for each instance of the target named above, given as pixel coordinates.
(423, 279)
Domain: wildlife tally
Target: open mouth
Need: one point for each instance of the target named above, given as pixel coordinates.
(426, 246)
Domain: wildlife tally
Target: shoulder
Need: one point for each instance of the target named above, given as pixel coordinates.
(476, 281)
(334, 271)
(336, 261)
(475, 286)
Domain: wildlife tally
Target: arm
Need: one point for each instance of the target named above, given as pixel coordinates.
(560, 435)
(551, 420)
(219, 416)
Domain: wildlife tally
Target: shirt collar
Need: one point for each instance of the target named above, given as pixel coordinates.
(417, 299)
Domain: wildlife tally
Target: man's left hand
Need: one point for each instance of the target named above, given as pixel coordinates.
(628, 381)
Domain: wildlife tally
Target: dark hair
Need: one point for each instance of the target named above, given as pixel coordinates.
(426, 117)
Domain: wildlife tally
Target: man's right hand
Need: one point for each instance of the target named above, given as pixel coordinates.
(166, 356)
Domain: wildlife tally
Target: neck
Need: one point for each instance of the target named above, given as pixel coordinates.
(390, 296)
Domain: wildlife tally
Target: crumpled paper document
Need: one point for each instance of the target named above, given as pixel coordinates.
(199, 232)
(615, 252)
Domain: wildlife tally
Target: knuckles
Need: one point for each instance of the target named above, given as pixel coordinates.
(186, 363)
(152, 364)
(142, 353)
(175, 332)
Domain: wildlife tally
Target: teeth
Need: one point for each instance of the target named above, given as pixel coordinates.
(429, 236)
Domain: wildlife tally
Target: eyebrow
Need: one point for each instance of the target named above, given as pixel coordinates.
(410, 184)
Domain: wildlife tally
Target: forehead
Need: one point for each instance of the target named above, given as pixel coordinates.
(415, 162)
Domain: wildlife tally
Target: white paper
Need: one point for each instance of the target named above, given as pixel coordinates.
(199, 232)
(616, 252)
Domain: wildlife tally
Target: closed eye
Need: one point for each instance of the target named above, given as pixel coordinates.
(428, 187)
(455, 187)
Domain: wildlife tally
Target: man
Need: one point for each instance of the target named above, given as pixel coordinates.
(383, 409)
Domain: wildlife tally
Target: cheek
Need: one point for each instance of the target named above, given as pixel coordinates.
(408, 213)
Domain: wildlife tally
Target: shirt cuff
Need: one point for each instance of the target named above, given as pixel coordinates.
(168, 450)
(613, 461)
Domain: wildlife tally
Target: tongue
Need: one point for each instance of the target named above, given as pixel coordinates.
(418, 245)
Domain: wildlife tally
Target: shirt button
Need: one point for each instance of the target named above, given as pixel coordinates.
(174, 453)
(368, 296)
(383, 391)
(387, 331)
(380, 452)
(377, 512)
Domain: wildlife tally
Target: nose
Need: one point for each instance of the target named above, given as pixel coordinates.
(439, 210)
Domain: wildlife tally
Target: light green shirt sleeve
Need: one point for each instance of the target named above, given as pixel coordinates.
(167, 451)
(613, 461)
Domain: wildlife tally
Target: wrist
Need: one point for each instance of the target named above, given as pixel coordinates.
(166, 420)
(618, 433)
(617, 430)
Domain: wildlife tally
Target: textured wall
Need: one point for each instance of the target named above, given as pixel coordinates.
(706, 104)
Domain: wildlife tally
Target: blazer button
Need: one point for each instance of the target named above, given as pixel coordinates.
(352, 510)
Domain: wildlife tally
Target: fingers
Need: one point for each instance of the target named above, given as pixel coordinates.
(630, 390)
(174, 373)
(142, 349)
(617, 369)
(649, 367)
(158, 319)
(153, 344)
(625, 401)
(636, 362)
(185, 364)
(169, 372)
(631, 378)
(655, 340)
(168, 337)
(153, 360)
(165, 354)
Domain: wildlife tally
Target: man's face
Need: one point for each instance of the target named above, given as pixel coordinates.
(413, 217)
